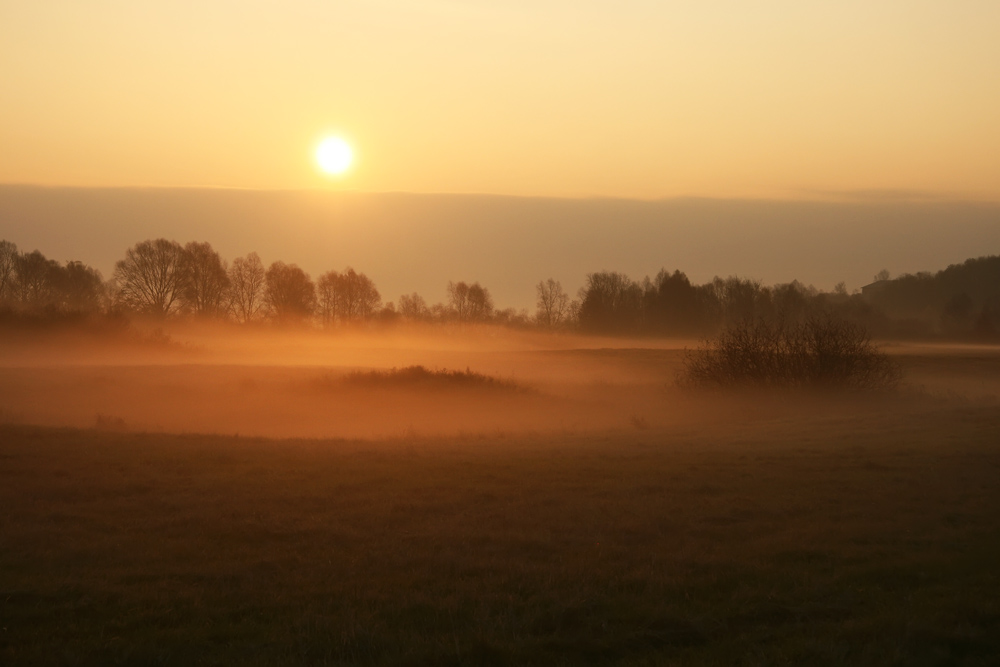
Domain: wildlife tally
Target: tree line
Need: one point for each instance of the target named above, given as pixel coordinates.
(961, 301)
(161, 278)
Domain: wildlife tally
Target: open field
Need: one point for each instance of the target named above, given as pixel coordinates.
(598, 516)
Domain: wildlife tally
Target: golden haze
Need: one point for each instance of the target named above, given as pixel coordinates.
(635, 99)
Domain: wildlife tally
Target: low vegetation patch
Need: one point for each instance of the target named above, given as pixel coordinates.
(415, 377)
(816, 353)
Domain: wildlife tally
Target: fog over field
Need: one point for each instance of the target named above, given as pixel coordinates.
(306, 383)
(419, 242)
(300, 384)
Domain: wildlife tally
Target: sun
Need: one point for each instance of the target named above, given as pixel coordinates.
(334, 155)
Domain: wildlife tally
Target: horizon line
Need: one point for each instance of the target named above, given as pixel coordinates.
(868, 196)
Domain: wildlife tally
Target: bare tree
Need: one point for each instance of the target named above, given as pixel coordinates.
(327, 296)
(480, 303)
(80, 287)
(347, 296)
(413, 307)
(289, 292)
(470, 303)
(35, 282)
(458, 299)
(364, 299)
(553, 303)
(205, 280)
(150, 278)
(35, 279)
(246, 287)
(8, 260)
(741, 299)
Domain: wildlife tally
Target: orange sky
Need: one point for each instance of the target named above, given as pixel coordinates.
(633, 98)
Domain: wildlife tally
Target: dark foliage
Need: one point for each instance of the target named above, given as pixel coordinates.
(611, 303)
(958, 301)
(674, 306)
(289, 292)
(35, 287)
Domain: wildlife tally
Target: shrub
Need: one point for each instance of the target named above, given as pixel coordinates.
(819, 352)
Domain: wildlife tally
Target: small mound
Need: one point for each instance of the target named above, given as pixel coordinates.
(418, 377)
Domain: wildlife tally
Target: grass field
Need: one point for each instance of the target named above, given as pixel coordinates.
(710, 530)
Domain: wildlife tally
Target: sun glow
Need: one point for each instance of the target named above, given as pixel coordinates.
(334, 156)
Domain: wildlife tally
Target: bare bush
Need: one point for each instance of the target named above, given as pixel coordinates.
(819, 353)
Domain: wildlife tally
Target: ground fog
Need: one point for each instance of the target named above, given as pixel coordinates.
(287, 383)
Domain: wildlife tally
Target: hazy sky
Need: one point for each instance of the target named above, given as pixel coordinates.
(411, 242)
(627, 98)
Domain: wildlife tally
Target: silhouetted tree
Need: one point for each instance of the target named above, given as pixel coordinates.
(458, 299)
(347, 296)
(480, 303)
(31, 282)
(413, 307)
(289, 292)
(793, 301)
(741, 299)
(674, 306)
(35, 279)
(36, 283)
(8, 260)
(150, 278)
(80, 288)
(553, 303)
(246, 287)
(611, 302)
(470, 303)
(205, 289)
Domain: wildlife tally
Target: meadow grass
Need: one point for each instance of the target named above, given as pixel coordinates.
(859, 536)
